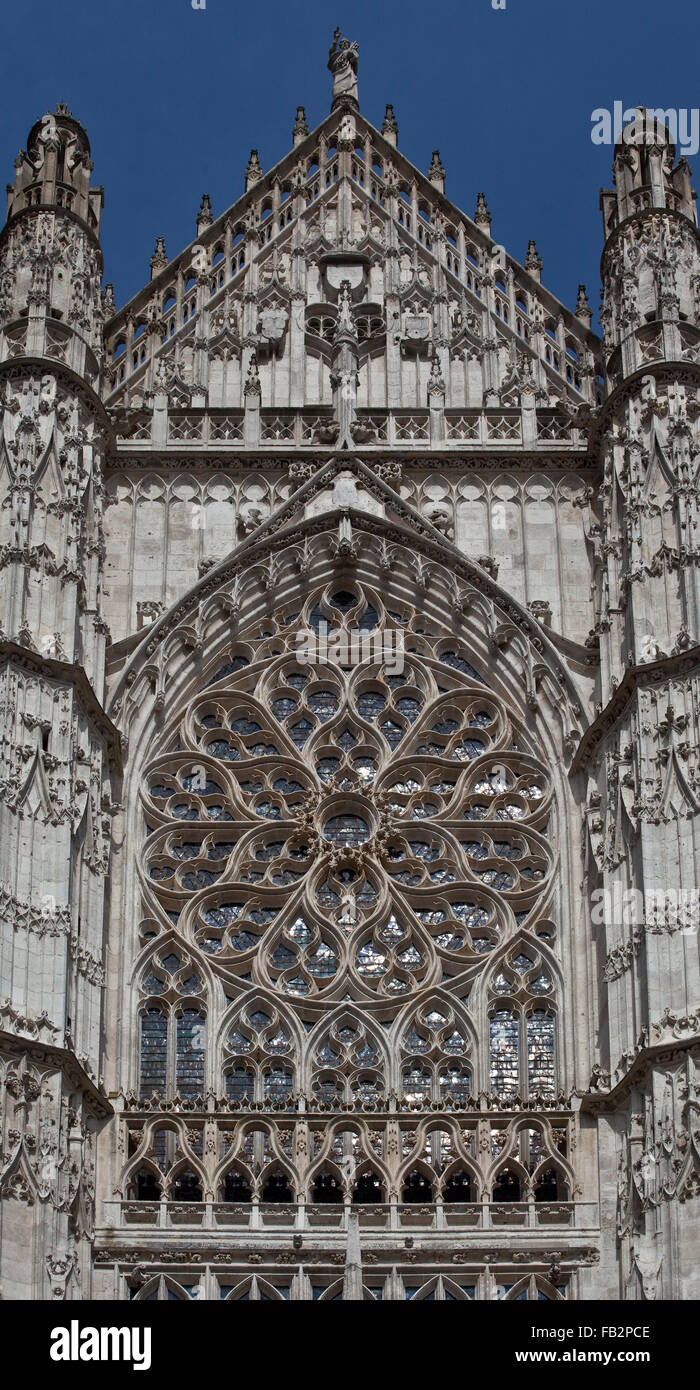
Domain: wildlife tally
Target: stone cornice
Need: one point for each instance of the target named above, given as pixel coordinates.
(597, 1102)
(61, 1057)
(635, 678)
(525, 1247)
(217, 460)
(87, 394)
(69, 674)
(662, 370)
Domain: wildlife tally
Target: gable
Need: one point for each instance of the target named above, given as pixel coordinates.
(427, 283)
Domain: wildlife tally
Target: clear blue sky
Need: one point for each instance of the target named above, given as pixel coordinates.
(173, 99)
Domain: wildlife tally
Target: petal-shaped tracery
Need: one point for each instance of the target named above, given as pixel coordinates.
(325, 827)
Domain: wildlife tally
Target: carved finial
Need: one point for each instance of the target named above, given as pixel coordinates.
(204, 216)
(436, 383)
(342, 62)
(390, 129)
(301, 128)
(583, 309)
(253, 172)
(345, 323)
(108, 305)
(436, 172)
(533, 262)
(159, 259)
(482, 216)
(252, 381)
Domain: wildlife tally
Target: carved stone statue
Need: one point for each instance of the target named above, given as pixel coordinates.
(342, 62)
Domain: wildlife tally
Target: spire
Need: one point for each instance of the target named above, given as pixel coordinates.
(390, 129)
(204, 216)
(583, 309)
(342, 63)
(436, 381)
(301, 128)
(159, 259)
(482, 216)
(436, 172)
(533, 262)
(253, 172)
(252, 381)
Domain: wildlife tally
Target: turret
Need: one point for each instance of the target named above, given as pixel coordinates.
(651, 268)
(651, 316)
(643, 756)
(59, 750)
(50, 258)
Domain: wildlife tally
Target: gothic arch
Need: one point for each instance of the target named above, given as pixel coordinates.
(531, 1287)
(253, 1288)
(347, 1166)
(255, 1151)
(437, 1159)
(160, 1288)
(444, 886)
(346, 1016)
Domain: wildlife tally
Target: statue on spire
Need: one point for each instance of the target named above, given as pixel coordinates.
(342, 62)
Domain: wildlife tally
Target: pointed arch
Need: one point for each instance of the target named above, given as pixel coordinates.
(184, 1168)
(347, 1033)
(161, 1288)
(532, 1287)
(138, 1167)
(421, 896)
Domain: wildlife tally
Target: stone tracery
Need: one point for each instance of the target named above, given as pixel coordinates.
(357, 861)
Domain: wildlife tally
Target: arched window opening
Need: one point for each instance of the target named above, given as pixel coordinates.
(327, 1188)
(145, 1186)
(277, 1188)
(187, 1187)
(368, 1188)
(506, 1188)
(416, 1188)
(458, 1188)
(549, 1187)
(236, 1188)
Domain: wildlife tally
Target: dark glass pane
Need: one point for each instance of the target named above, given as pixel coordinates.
(189, 1079)
(154, 1051)
(346, 830)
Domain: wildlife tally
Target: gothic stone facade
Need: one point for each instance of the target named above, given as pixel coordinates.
(350, 662)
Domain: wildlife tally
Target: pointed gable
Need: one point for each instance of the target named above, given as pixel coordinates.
(259, 288)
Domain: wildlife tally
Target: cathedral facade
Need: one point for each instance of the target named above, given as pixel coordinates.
(350, 711)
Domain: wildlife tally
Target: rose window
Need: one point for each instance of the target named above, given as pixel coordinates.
(326, 827)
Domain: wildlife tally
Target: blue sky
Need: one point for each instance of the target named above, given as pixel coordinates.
(173, 99)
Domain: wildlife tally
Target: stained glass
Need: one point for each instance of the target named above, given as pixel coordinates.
(189, 1078)
(540, 1052)
(346, 830)
(504, 1076)
(154, 1052)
